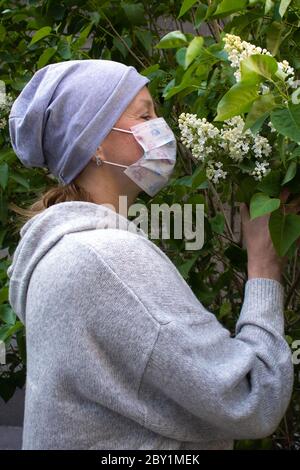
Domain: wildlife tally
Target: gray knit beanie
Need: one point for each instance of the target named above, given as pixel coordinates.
(67, 109)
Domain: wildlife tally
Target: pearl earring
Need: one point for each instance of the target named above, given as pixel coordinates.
(98, 161)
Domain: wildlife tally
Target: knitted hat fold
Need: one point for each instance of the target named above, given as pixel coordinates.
(67, 109)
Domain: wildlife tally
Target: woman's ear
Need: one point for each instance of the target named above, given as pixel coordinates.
(97, 154)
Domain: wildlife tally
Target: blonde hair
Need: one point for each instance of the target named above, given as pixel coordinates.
(56, 194)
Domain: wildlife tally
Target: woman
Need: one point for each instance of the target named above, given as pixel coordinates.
(120, 352)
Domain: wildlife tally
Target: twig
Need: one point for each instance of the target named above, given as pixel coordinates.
(194, 21)
(122, 40)
(232, 208)
(222, 209)
(215, 30)
(184, 158)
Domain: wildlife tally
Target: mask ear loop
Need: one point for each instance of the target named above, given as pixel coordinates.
(123, 130)
(112, 163)
(100, 162)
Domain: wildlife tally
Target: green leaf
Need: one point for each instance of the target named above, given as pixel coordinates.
(185, 268)
(46, 56)
(290, 173)
(256, 66)
(2, 236)
(271, 183)
(40, 34)
(120, 45)
(259, 111)
(274, 37)
(197, 180)
(7, 314)
(225, 309)
(193, 50)
(7, 154)
(145, 38)
(217, 223)
(226, 7)
(268, 5)
(287, 121)
(135, 13)
(81, 40)
(180, 56)
(149, 70)
(293, 185)
(184, 181)
(262, 204)
(186, 6)
(187, 81)
(196, 199)
(19, 179)
(64, 49)
(3, 175)
(2, 32)
(7, 331)
(296, 96)
(7, 388)
(173, 39)
(245, 190)
(295, 154)
(4, 290)
(283, 7)
(284, 231)
(236, 101)
(200, 14)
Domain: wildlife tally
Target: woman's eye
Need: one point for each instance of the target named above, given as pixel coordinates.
(145, 117)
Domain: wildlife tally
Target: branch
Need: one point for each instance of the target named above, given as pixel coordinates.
(122, 40)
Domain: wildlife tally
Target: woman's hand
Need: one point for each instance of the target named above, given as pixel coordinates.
(263, 260)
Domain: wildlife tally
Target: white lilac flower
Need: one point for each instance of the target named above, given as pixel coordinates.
(209, 150)
(261, 169)
(234, 141)
(6, 102)
(239, 50)
(214, 171)
(294, 83)
(271, 126)
(2, 93)
(285, 67)
(197, 134)
(284, 71)
(261, 146)
(264, 89)
(239, 143)
(208, 143)
(3, 123)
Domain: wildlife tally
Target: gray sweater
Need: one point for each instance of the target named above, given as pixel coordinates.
(122, 355)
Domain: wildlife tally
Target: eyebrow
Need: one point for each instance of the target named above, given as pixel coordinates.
(147, 102)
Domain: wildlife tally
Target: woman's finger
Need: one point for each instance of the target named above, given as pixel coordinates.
(244, 211)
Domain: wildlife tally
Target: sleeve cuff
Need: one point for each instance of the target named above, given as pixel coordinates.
(263, 304)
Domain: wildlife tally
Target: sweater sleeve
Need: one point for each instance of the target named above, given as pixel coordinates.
(154, 354)
(210, 383)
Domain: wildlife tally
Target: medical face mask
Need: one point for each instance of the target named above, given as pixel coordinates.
(153, 170)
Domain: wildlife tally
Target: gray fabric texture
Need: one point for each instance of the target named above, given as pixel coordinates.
(121, 354)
